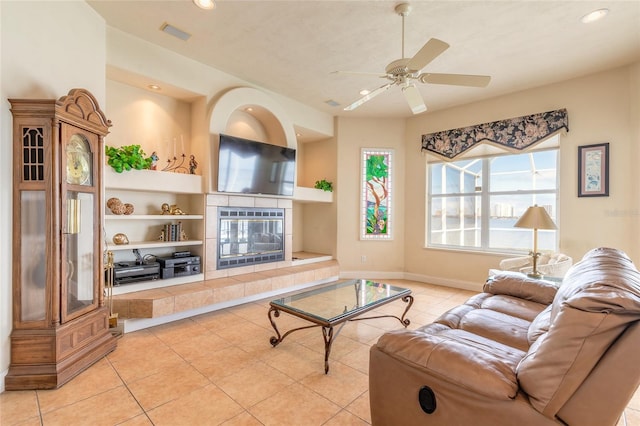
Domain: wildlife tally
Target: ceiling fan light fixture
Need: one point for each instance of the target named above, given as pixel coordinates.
(205, 4)
(594, 16)
(413, 98)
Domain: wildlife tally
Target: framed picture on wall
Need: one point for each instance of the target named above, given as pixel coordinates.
(593, 170)
(376, 194)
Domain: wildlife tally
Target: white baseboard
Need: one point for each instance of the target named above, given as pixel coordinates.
(382, 275)
(463, 285)
(376, 275)
(3, 374)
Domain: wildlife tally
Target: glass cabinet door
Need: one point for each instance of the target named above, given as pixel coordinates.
(78, 270)
(33, 248)
(80, 247)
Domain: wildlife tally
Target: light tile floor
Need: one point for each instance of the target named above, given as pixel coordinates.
(219, 369)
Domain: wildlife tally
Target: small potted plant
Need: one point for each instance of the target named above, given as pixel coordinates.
(324, 185)
(127, 157)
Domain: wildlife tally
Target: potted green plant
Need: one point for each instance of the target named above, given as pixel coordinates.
(127, 157)
(324, 185)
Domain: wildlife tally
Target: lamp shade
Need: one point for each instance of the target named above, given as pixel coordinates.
(535, 217)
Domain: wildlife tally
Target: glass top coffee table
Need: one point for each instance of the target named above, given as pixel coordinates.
(335, 304)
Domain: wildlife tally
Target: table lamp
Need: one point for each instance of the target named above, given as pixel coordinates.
(535, 218)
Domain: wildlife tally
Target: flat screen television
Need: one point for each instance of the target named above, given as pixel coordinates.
(250, 167)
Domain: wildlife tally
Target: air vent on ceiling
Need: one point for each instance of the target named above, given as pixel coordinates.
(176, 32)
(332, 103)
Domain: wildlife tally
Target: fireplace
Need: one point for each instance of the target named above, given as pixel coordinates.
(249, 236)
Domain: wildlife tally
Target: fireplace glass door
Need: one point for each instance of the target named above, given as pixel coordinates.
(248, 236)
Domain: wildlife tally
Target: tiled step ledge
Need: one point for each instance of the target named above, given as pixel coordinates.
(148, 308)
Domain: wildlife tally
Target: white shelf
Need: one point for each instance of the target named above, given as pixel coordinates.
(154, 284)
(153, 244)
(303, 194)
(154, 217)
(153, 181)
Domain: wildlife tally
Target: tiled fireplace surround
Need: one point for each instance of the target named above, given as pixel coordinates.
(226, 287)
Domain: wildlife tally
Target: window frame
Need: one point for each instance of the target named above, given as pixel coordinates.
(485, 195)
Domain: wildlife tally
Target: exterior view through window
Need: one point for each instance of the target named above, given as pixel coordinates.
(474, 203)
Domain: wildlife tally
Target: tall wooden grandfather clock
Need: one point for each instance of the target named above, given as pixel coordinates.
(60, 321)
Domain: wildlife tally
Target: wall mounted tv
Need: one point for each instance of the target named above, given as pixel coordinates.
(250, 167)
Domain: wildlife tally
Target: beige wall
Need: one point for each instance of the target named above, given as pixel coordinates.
(602, 108)
(317, 222)
(382, 258)
(155, 122)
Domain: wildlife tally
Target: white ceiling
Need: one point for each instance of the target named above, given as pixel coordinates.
(291, 47)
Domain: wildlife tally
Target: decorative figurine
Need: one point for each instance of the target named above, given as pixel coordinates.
(154, 160)
(193, 164)
(120, 239)
(113, 201)
(175, 210)
(118, 207)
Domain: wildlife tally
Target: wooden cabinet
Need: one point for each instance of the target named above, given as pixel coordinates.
(60, 321)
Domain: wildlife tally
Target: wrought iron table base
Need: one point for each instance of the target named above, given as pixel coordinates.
(327, 328)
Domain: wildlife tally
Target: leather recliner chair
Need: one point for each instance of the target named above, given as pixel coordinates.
(523, 352)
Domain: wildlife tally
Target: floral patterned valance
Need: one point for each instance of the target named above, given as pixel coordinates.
(516, 133)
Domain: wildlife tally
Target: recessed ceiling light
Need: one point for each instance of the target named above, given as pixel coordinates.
(594, 16)
(153, 87)
(205, 4)
(364, 92)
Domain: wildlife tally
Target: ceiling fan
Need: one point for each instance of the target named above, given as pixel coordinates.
(406, 72)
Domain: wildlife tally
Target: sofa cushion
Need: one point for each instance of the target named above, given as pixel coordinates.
(505, 319)
(513, 306)
(519, 285)
(497, 326)
(599, 297)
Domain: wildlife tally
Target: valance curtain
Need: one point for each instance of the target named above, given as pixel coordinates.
(514, 133)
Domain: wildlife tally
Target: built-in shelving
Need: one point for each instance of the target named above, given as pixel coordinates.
(148, 190)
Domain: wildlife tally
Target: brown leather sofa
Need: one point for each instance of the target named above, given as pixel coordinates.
(523, 352)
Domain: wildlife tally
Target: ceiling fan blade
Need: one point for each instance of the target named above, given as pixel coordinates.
(455, 79)
(414, 99)
(431, 50)
(373, 74)
(367, 97)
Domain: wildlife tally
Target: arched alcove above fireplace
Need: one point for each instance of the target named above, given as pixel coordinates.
(251, 114)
